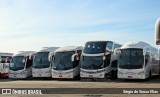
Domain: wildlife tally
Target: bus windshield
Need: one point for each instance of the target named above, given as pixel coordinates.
(16, 63)
(92, 63)
(41, 60)
(95, 47)
(131, 59)
(62, 60)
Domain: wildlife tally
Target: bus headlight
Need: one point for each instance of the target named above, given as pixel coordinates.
(141, 73)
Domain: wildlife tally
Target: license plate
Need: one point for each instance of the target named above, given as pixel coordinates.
(90, 75)
(130, 77)
(60, 76)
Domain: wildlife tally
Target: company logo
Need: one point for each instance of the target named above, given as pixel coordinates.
(22, 91)
(6, 91)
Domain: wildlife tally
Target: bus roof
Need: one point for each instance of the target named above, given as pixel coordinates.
(48, 49)
(6, 54)
(140, 45)
(69, 48)
(103, 41)
(24, 53)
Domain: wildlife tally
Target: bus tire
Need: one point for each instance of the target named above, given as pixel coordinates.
(0, 75)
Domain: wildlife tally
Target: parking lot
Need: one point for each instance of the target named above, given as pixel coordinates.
(52, 83)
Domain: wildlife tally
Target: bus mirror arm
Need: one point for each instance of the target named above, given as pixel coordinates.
(49, 58)
(72, 58)
(144, 52)
(6, 60)
(30, 57)
(117, 51)
(23, 61)
(104, 57)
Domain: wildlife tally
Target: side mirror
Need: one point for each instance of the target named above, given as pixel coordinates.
(117, 51)
(107, 49)
(72, 58)
(6, 60)
(78, 55)
(157, 32)
(10, 61)
(23, 61)
(104, 58)
(49, 57)
(30, 57)
(144, 52)
(34, 57)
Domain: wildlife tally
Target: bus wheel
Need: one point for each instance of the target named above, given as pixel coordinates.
(0, 75)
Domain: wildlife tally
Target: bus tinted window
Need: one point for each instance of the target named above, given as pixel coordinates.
(95, 47)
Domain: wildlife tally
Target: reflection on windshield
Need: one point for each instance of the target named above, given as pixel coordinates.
(131, 59)
(41, 60)
(62, 60)
(16, 63)
(92, 63)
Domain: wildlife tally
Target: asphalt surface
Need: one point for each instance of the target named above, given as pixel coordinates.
(69, 85)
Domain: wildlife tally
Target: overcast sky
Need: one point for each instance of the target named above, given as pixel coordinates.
(33, 24)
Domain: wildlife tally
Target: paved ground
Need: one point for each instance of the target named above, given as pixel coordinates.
(50, 83)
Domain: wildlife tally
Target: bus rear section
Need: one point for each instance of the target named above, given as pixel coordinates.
(41, 64)
(4, 64)
(65, 62)
(98, 60)
(21, 65)
(138, 61)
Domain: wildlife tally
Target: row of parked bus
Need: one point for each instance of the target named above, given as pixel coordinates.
(96, 60)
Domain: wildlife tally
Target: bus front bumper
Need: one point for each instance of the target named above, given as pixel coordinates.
(63, 74)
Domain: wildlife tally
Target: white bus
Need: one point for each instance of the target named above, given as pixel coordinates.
(21, 65)
(138, 60)
(4, 63)
(65, 62)
(41, 65)
(98, 60)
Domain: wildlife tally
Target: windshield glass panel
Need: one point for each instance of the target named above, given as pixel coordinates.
(92, 63)
(62, 60)
(131, 59)
(16, 63)
(41, 60)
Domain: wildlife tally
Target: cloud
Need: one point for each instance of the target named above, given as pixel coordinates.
(32, 24)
